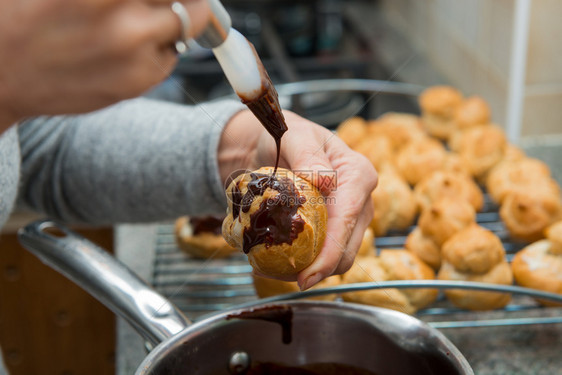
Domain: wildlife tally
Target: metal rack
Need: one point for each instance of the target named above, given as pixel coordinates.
(202, 287)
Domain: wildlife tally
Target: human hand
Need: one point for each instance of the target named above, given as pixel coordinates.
(72, 56)
(309, 147)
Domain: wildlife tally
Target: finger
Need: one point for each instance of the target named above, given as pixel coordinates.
(350, 208)
(342, 220)
(168, 26)
(356, 238)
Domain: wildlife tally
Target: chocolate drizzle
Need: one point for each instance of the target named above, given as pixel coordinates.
(266, 108)
(207, 224)
(276, 221)
(236, 198)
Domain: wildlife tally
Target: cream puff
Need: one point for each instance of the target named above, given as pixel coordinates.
(420, 158)
(394, 204)
(539, 265)
(439, 105)
(352, 131)
(396, 264)
(201, 237)
(369, 269)
(400, 128)
(367, 244)
(378, 149)
(521, 175)
(526, 214)
(475, 254)
(446, 217)
(424, 247)
(278, 220)
(481, 148)
(473, 111)
(448, 184)
(400, 264)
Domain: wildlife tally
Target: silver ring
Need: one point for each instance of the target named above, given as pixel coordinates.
(179, 9)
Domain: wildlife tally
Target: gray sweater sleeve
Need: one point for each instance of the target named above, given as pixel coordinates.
(140, 160)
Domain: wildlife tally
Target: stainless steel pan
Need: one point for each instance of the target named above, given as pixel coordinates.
(292, 333)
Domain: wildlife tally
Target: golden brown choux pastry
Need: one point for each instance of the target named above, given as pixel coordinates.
(400, 264)
(448, 184)
(513, 153)
(266, 287)
(481, 148)
(201, 237)
(278, 221)
(420, 158)
(367, 244)
(519, 175)
(554, 234)
(526, 214)
(352, 131)
(378, 149)
(400, 128)
(475, 254)
(454, 163)
(473, 111)
(539, 265)
(446, 217)
(424, 248)
(396, 264)
(393, 200)
(369, 269)
(439, 105)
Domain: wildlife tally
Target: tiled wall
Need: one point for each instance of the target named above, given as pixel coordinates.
(469, 42)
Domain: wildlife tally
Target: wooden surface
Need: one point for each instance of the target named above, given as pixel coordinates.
(48, 325)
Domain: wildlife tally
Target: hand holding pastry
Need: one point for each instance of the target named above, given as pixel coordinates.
(344, 177)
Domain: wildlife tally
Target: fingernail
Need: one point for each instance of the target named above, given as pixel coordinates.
(310, 281)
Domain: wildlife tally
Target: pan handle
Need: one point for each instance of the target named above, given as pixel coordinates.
(105, 278)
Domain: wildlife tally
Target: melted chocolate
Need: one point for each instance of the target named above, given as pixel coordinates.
(276, 220)
(257, 186)
(282, 315)
(207, 224)
(311, 369)
(236, 198)
(266, 108)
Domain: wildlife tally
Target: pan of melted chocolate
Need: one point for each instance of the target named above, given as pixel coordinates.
(305, 337)
(308, 338)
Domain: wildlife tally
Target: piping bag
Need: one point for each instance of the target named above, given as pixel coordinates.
(244, 71)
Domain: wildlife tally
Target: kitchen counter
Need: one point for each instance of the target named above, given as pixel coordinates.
(526, 349)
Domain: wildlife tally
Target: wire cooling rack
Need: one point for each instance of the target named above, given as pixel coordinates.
(202, 287)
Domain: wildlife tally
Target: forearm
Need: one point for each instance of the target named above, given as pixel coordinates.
(138, 161)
